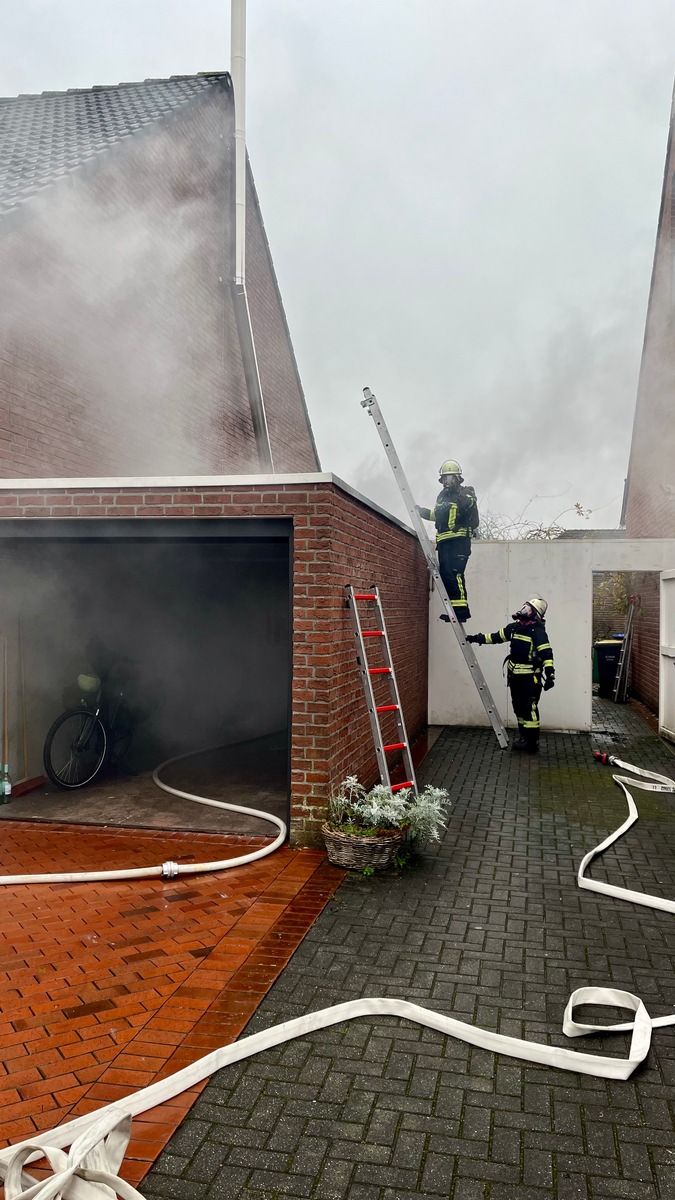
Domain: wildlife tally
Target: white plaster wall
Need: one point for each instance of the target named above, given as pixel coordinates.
(500, 576)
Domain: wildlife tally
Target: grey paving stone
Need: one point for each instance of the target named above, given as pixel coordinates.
(229, 1184)
(173, 1189)
(207, 1162)
(470, 1189)
(186, 1142)
(490, 926)
(280, 1184)
(172, 1165)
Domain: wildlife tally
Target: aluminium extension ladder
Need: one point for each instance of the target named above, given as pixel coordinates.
(385, 671)
(621, 681)
(372, 407)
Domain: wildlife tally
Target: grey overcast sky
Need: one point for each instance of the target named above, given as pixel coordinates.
(461, 198)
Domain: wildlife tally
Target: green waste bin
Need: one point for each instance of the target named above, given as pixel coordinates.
(606, 655)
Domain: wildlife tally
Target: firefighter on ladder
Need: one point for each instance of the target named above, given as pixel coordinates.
(455, 515)
(529, 656)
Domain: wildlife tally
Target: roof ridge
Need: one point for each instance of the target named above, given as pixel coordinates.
(124, 83)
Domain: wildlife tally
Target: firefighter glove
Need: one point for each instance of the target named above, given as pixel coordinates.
(549, 681)
(478, 638)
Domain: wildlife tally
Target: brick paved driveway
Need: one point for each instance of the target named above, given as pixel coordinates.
(489, 926)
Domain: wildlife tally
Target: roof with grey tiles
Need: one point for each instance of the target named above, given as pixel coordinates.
(45, 137)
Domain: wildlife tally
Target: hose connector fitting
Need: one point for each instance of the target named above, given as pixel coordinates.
(606, 759)
(169, 870)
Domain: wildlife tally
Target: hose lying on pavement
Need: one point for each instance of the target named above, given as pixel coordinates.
(170, 870)
(98, 1140)
(660, 783)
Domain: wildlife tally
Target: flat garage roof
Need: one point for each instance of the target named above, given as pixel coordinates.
(198, 482)
(212, 528)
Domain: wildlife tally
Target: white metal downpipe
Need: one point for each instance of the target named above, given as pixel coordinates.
(238, 287)
(238, 73)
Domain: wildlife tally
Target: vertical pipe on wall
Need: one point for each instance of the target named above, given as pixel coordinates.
(5, 703)
(238, 286)
(238, 73)
(22, 688)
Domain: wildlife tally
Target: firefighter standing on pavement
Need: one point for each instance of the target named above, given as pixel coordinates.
(530, 655)
(455, 515)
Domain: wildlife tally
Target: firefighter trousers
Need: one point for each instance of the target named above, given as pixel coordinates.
(525, 692)
(451, 566)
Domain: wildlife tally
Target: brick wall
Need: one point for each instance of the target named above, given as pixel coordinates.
(118, 346)
(650, 497)
(337, 540)
(644, 674)
(610, 598)
(290, 433)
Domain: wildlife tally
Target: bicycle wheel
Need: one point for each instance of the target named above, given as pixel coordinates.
(75, 748)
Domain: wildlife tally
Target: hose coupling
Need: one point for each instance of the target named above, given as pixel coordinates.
(169, 870)
(606, 759)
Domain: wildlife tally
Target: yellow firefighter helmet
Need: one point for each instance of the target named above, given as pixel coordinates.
(538, 605)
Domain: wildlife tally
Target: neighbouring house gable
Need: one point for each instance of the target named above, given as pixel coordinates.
(649, 500)
(119, 351)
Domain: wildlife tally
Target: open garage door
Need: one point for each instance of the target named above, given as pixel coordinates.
(196, 617)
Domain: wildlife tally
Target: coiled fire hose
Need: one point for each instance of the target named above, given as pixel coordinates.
(89, 1170)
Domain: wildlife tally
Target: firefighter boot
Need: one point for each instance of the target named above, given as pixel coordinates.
(528, 742)
(521, 742)
(532, 738)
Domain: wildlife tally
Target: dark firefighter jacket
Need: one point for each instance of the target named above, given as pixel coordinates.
(455, 515)
(530, 651)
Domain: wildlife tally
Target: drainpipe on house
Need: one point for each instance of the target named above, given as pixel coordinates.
(238, 285)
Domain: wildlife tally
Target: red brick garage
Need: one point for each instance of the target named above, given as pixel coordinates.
(335, 537)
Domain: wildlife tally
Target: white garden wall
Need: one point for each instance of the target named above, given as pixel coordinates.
(500, 576)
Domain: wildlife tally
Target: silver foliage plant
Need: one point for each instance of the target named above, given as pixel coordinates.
(424, 815)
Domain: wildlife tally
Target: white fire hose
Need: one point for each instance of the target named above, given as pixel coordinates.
(660, 783)
(170, 870)
(98, 1140)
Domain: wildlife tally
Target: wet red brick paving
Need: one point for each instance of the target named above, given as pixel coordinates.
(108, 987)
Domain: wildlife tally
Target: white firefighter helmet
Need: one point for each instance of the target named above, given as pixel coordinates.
(538, 605)
(450, 468)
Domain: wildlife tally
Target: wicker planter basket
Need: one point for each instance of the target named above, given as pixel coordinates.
(353, 852)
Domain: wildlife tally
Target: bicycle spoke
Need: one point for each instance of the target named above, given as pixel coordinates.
(68, 769)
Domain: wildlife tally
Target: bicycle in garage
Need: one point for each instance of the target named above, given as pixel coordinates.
(96, 733)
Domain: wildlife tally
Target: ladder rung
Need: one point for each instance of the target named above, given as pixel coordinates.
(368, 675)
(397, 787)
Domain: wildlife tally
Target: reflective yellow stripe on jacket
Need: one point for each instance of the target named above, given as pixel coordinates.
(453, 531)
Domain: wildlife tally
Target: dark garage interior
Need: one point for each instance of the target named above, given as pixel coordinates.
(191, 623)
